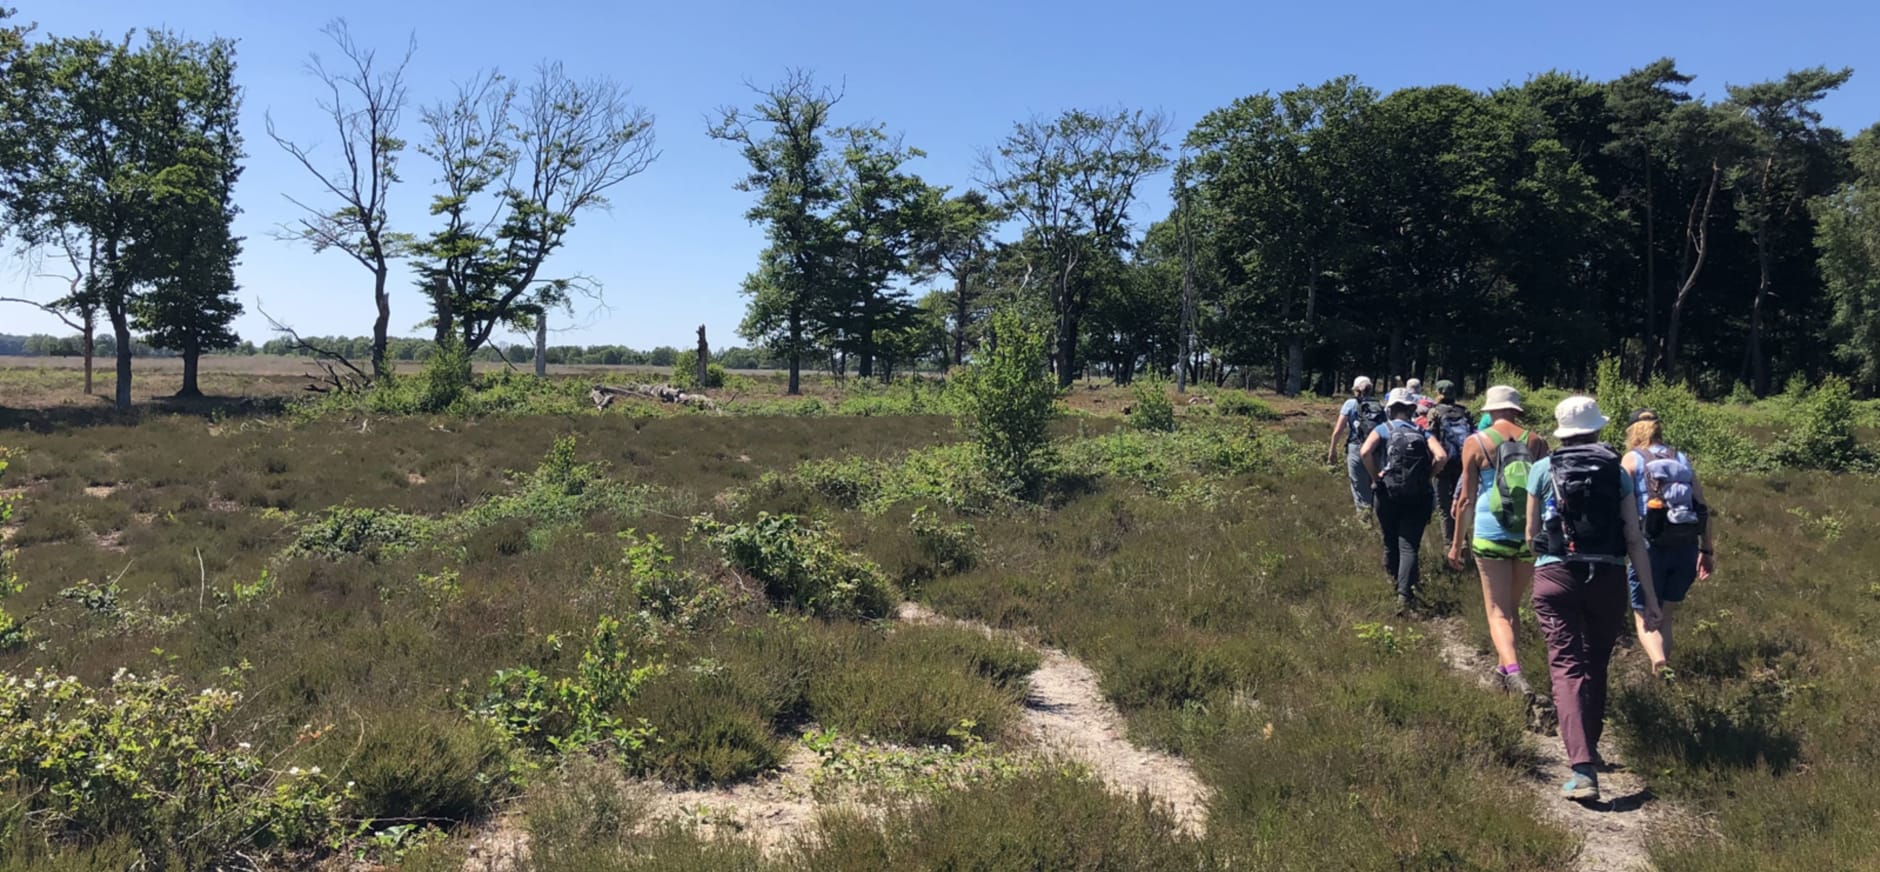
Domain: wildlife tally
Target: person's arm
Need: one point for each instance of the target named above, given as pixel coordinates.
(1369, 454)
(1338, 435)
(1534, 520)
(1464, 506)
(1641, 559)
(1706, 546)
(1439, 456)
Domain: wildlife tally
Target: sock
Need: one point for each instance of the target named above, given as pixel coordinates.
(1510, 669)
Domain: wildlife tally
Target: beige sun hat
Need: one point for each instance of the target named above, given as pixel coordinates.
(1361, 383)
(1502, 398)
(1400, 397)
(1578, 416)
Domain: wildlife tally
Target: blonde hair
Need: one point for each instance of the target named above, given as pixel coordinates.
(1645, 433)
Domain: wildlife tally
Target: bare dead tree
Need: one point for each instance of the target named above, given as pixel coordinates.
(364, 101)
(78, 309)
(329, 361)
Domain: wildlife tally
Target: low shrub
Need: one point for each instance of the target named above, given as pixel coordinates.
(685, 372)
(1006, 401)
(343, 530)
(900, 689)
(1152, 411)
(803, 566)
(1233, 404)
(580, 813)
(583, 710)
(418, 763)
(1820, 431)
(155, 763)
(949, 548)
(710, 725)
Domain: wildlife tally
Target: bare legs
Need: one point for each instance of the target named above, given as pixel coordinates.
(1502, 584)
(1657, 643)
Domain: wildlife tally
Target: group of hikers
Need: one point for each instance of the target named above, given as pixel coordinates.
(1585, 526)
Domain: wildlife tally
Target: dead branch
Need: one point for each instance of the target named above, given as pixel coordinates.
(355, 379)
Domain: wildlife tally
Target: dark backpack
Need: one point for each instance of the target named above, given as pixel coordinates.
(1367, 417)
(1452, 427)
(1586, 519)
(1407, 462)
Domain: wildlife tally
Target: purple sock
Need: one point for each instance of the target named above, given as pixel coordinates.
(1510, 669)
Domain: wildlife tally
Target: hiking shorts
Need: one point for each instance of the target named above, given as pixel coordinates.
(1488, 549)
(1674, 570)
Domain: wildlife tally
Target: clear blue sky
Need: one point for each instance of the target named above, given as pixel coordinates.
(952, 76)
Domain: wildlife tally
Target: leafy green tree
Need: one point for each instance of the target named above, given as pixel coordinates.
(518, 167)
(882, 220)
(783, 138)
(1072, 181)
(89, 154)
(961, 248)
(1847, 235)
(1793, 158)
(1640, 104)
(365, 103)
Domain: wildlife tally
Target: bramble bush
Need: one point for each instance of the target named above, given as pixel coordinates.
(803, 565)
(146, 759)
(1006, 401)
(580, 711)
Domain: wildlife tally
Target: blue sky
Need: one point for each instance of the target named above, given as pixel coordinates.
(952, 76)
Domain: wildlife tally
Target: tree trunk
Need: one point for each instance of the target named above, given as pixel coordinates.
(701, 359)
(121, 331)
(541, 345)
(1066, 356)
(1756, 363)
(961, 306)
(90, 344)
(1697, 240)
(1395, 356)
(1650, 350)
(381, 323)
(796, 354)
(192, 356)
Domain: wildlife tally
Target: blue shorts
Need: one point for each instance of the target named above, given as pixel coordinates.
(1674, 570)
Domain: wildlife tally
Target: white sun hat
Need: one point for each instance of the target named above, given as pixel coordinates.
(1400, 397)
(1361, 383)
(1502, 398)
(1578, 416)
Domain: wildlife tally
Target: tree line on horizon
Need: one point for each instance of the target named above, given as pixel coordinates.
(1314, 232)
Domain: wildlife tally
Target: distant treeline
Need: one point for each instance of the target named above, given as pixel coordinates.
(359, 348)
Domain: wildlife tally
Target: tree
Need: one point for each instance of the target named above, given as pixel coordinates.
(883, 218)
(364, 103)
(78, 309)
(516, 174)
(961, 248)
(1072, 181)
(1847, 235)
(115, 142)
(783, 139)
(1641, 103)
(1792, 159)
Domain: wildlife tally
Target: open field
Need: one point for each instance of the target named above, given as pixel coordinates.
(767, 639)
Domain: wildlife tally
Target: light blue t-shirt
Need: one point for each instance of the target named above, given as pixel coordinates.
(1541, 485)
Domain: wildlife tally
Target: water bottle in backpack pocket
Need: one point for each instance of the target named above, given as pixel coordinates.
(1673, 517)
(1584, 518)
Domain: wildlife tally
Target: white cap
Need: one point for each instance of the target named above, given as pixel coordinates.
(1361, 383)
(1414, 385)
(1578, 416)
(1400, 397)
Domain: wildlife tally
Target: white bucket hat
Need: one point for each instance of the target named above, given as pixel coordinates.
(1361, 383)
(1502, 398)
(1400, 397)
(1414, 385)
(1578, 416)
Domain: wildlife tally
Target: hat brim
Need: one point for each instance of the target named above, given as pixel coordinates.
(1503, 407)
(1570, 432)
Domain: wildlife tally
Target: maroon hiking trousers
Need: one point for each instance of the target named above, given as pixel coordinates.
(1582, 609)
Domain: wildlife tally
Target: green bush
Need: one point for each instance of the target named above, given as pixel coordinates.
(1821, 430)
(1152, 410)
(1006, 401)
(416, 763)
(583, 710)
(156, 763)
(685, 372)
(950, 547)
(446, 376)
(1234, 404)
(343, 530)
(803, 566)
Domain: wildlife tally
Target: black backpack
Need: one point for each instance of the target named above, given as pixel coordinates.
(1453, 427)
(1586, 521)
(1366, 418)
(1407, 462)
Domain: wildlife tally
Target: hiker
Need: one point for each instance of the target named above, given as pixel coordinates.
(1401, 458)
(1449, 422)
(1356, 419)
(1583, 523)
(1677, 530)
(1415, 387)
(1491, 508)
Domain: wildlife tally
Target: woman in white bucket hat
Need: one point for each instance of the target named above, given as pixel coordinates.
(1583, 522)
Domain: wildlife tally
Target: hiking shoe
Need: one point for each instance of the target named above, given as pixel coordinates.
(1512, 682)
(1582, 787)
(1542, 717)
(1405, 604)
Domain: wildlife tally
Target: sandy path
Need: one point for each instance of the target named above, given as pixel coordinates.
(1065, 713)
(1613, 831)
